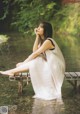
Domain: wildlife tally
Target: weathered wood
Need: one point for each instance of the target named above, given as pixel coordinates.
(72, 78)
(25, 76)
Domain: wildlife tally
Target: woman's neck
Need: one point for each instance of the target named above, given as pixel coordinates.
(41, 40)
(42, 37)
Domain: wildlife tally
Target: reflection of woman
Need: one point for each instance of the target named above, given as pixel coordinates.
(47, 107)
(46, 65)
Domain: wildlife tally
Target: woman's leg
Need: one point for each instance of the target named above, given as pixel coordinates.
(12, 72)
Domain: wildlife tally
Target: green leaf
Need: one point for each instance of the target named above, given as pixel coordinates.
(50, 5)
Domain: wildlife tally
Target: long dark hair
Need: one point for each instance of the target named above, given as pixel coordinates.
(48, 31)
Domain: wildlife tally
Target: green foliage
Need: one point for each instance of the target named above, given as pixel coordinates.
(30, 13)
(67, 19)
(26, 14)
(4, 11)
(3, 38)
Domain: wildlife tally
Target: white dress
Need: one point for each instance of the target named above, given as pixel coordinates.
(47, 76)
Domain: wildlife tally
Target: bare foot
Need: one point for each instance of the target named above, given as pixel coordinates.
(7, 73)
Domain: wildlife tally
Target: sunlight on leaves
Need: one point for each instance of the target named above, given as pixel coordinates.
(3, 38)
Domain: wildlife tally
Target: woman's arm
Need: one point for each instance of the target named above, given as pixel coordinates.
(35, 46)
(45, 46)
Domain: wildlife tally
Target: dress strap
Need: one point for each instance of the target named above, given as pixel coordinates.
(52, 44)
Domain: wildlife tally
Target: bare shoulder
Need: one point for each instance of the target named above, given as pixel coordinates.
(47, 41)
(48, 44)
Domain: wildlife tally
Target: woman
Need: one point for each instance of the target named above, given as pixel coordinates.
(46, 65)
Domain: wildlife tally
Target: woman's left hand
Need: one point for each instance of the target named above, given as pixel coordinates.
(18, 64)
(43, 56)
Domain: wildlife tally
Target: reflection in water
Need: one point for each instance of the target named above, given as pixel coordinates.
(41, 107)
(70, 46)
(47, 107)
(12, 109)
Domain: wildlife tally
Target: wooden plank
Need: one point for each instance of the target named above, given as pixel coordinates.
(67, 75)
(78, 74)
(11, 78)
(73, 75)
(23, 74)
(72, 78)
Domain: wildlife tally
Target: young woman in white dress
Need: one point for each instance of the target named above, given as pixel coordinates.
(46, 65)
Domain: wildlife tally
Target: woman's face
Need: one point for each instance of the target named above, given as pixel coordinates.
(40, 30)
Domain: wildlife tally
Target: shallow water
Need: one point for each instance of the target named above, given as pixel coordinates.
(17, 49)
(25, 104)
(41, 107)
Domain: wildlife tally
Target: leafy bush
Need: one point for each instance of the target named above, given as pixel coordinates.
(67, 19)
(30, 13)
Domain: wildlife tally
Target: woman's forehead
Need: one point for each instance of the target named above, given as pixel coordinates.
(41, 25)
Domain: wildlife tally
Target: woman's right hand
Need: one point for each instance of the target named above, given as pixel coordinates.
(35, 31)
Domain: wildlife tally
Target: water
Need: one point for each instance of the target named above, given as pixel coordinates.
(70, 47)
(40, 107)
(47, 107)
(17, 49)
